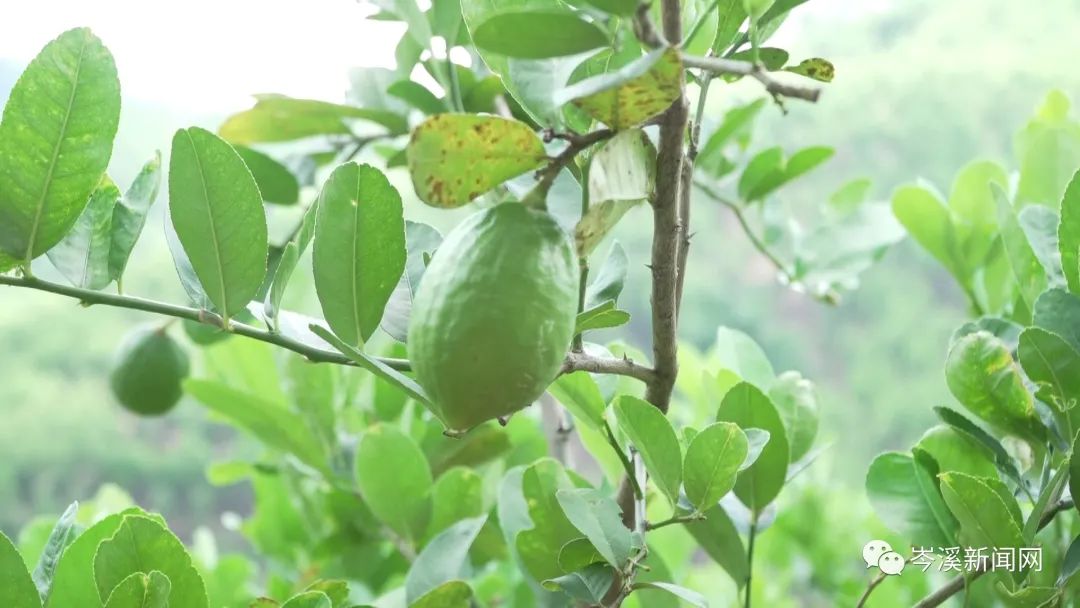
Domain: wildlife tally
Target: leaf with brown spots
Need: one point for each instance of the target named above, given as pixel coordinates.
(815, 68)
(632, 95)
(454, 158)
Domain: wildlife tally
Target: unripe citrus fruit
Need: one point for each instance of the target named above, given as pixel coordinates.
(494, 314)
(148, 371)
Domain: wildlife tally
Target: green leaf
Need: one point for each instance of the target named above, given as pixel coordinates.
(1069, 234)
(756, 440)
(1070, 564)
(599, 518)
(141, 590)
(1052, 365)
(580, 395)
(277, 118)
(748, 407)
(688, 596)
(816, 68)
(736, 125)
(63, 533)
(731, 16)
(73, 583)
(539, 543)
(985, 520)
(1002, 458)
(621, 175)
(141, 544)
(531, 29)
(455, 594)
(359, 249)
(769, 170)
(17, 588)
(713, 460)
(650, 432)
(417, 96)
(458, 494)
(337, 591)
(982, 375)
(1058, 312)
(276, 183)
(602, 316)
(82, 256)
(454, 158)
(902, 503)
(926, 476)
(607, 283)
(271, 423)
(421, 241)
(632, 94)
(718, 537)
(290, 257)
(955, 450)
(928, 221)
(1026, 270)
(589, 584)
(380, 369)
(797, 405)
(1049, 494)
(309, 599)
(129, 215)
(737, 352)
(56, 139)
(1040, 225)
(444, 559)
(623, 8)
(218, 215)
(398, 495)
(1074, 469)
(1048, 151)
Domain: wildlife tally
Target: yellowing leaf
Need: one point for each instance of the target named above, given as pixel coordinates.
(454, 158)
(815, 68)
(631, 95)
(279, 118)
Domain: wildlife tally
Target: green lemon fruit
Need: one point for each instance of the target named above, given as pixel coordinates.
(148, 371)
(494, 315)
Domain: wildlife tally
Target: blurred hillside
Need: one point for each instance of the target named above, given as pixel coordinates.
(922, 88)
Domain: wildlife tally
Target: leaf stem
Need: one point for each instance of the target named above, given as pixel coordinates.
(675, 519)
(627, 465)
(735, 67)
(574, 361)
(750, 561)
(583, 258)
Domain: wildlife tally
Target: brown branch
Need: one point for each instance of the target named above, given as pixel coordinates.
(606, 365)
(670, 162)
(546, 176)
(574, 361)
(718, 65)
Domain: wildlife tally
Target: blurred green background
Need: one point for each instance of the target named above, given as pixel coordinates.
(922, 88)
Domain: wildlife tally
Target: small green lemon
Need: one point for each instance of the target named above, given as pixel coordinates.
(494, 315)
(148, 371)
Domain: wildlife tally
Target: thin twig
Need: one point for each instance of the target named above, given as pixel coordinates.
(606, 365)
(675, 519)
(735, 67)
(576, 143)
(954, 586)
(574, 361)
(756, 241)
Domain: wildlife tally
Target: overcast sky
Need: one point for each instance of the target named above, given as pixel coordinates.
(213, 54)
(174, 52)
